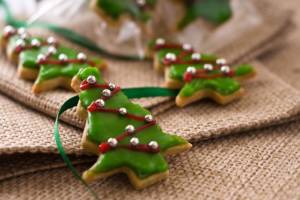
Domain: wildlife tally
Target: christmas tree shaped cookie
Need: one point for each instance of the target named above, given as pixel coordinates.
(198, 75)
(124, 135)
(46, 61)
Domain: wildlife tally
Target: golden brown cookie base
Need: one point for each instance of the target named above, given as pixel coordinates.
(172, 83)
(157, 65)
(223, 100)
(60, 82)
(12, 56)
(138, 183)
(27, 73)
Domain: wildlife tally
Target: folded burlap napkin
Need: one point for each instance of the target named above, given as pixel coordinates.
(263, 164)
(268, 101)
(136, 74)
(18, 164)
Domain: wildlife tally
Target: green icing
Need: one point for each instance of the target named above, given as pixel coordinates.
(222, 85)
(115, 8)
(105, 125)
(244, 70)
(28, 58)
(48, 71)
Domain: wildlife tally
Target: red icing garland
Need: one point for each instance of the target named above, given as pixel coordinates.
(19, 49)
(203, 74)
(179, 60)
(167, 46)
(68, 61)
(104, 147)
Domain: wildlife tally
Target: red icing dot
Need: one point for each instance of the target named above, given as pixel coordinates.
(188, 77)
(18, 49)
(104, 147)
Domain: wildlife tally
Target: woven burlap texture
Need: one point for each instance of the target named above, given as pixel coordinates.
(268, 101)
(135, 74)
(263, 164)
(260, 165)
(23, 163)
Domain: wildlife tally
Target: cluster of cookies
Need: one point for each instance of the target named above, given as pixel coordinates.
(198, 75)
(44, 61)
(124, 135)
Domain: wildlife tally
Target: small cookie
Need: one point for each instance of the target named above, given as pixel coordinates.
(218, 82)
(124, 135)
(198, 75)
(45, 60)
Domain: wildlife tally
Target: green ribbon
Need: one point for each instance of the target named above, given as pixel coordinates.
(70, 103)
(64, 32)
(142, 92)
(73, 101)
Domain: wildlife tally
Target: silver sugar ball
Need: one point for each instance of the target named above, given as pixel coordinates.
(100, 103)
(81, 56)
(113, 142)
(35, 43)
(187, 47)
(106, 92)
(134, 141)
(160, 41)
(91, 79)
(51, 40)
(123, 111)
(52, 50)
(141, 2)
(153, 145)
(111, 86)
(129, 128)
(148, 118)
(225, 69)
(170, 56)
(20, 43)
(221, 61)
(41, 58)
(9, 29)
(191, 70)
(63, 57)
(208, 67)
(196, 56)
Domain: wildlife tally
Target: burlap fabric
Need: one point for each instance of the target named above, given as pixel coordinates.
(18, 164)
(268, 101)
(263, 164)
(134, 74)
